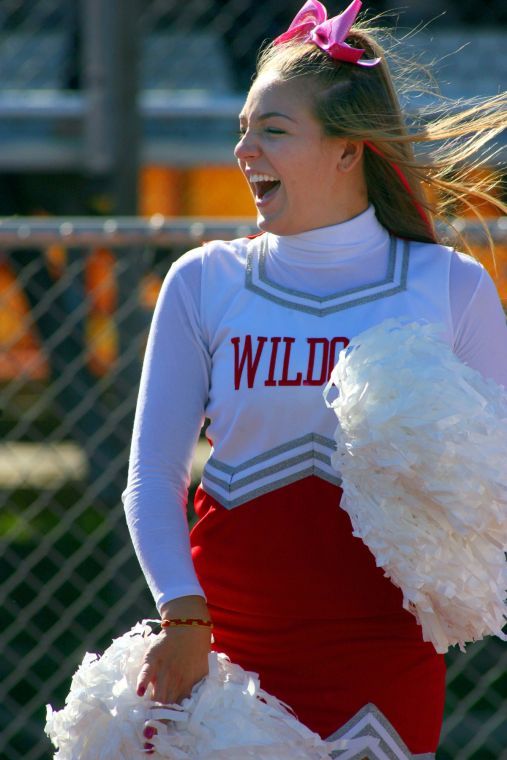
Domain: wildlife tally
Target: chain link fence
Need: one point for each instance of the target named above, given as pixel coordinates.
(76, 300)
(75, 305)
(40, 38)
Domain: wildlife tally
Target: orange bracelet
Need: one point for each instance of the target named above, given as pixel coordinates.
(165, 623)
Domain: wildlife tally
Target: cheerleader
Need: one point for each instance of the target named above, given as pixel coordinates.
(246, 334)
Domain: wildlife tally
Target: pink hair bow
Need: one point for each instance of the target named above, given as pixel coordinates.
(313, 25)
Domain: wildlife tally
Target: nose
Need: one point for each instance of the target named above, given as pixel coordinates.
(247, 147)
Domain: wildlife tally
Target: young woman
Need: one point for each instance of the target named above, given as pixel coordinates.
(246, 334)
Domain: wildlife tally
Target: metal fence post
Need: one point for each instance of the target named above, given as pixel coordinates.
(98, 143)
(112, 122)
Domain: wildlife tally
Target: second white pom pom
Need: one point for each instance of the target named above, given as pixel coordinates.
(421, 446)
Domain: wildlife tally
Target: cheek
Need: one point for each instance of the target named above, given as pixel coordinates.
(299, 174)
(305, 182)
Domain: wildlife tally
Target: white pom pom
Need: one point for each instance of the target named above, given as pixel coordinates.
(102, 689)
(228, 716)
(421, 448)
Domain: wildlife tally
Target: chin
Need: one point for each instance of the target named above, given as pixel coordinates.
(276, 226)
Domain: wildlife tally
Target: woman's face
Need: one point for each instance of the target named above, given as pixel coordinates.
(300, 178)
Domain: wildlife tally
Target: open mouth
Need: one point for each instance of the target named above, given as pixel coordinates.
(264, 186)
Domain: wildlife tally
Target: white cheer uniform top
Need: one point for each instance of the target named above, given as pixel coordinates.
(273, 350)
(246, 333)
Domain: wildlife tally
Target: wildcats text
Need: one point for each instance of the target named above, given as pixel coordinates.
(321, 356)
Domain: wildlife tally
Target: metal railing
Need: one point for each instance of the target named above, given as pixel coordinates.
(63, 65)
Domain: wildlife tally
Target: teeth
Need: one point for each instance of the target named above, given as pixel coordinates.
(262, 178)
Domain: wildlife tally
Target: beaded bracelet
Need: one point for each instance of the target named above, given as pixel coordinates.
(165, 623)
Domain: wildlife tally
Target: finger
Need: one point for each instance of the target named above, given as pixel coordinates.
(145, 677)
(165, 693)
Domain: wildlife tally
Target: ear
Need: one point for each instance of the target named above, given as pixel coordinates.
(350, 156)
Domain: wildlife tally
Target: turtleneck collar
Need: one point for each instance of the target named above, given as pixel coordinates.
(360, 235)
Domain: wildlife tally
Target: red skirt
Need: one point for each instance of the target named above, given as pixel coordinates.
(296, 598)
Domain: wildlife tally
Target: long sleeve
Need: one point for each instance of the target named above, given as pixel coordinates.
(169, 415)
(480, 329)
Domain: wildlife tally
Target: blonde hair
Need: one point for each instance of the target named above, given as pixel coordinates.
(362, 104)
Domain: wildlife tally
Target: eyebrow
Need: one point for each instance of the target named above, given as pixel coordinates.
(269, 115)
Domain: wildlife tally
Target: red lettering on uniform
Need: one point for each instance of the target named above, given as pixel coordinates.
(286, 361)
(272, 362)
(332, 350)
(246, 358)
(321, 379)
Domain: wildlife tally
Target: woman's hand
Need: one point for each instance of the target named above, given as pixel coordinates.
(178, 657)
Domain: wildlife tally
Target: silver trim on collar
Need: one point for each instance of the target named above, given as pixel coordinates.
(257, 281)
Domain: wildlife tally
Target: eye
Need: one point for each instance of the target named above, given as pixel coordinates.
(275, 131)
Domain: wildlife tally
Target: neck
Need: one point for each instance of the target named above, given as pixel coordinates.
(344, 240)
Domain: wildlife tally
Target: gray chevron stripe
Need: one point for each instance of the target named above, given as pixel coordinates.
(295, 443)
(367, 724)
(267, 471)
(268, 487)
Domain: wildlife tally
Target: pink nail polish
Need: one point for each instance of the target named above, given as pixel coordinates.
(148, 747)
(149, 732)
(140, 691)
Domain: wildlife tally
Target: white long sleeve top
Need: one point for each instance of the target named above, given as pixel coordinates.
(177, 371)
